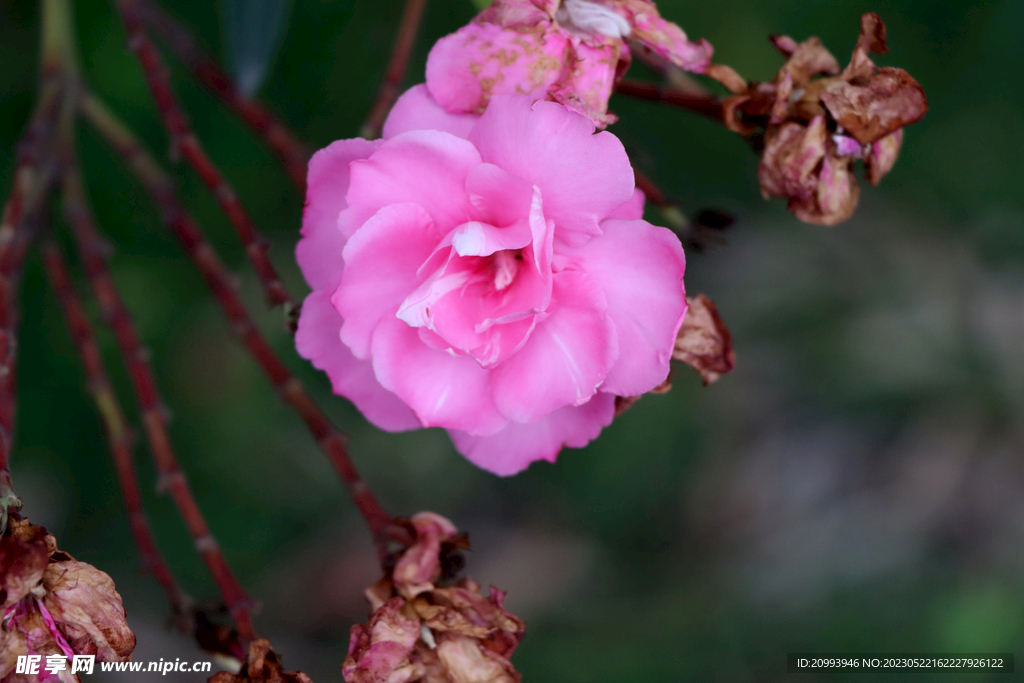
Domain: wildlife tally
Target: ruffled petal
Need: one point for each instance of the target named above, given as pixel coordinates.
(566, 357)
(468, 67)
(319, 251)
(426, 167)
(663, 37)
(513, 449)
(381, 261)
(318, 341)
(443, 390)
(499, 197)
(640, 269)
(583, 177)
(417, 110)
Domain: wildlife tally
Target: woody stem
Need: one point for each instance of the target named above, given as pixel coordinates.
(119, 435)
(185, 142)
(291, 152)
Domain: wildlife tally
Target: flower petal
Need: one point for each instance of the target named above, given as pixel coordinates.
(381, 261)
(417, 110)
(566, 357)
(512, 449)
(583, 177)
(443, 390)
(468, 67)
(633, 209)
(663, 37)
(318, 340)
(499, 197)
(319, 251)
(427, 167)
(640, 268)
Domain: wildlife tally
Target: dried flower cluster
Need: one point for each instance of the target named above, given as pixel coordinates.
(425, 628)
(55, 605)
(817, 119)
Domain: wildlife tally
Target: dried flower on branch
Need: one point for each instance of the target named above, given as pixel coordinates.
(53, 604)
(816, 119)
(425, 628)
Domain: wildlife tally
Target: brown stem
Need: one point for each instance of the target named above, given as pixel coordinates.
(700, 103)
(119, 435)
(292, 153)
(188, 233)
(184, 141)
(154, 415)
(391, 87)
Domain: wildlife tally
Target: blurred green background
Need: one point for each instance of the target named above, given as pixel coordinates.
(856, 485)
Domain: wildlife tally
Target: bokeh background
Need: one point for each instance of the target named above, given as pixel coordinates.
(856, 485)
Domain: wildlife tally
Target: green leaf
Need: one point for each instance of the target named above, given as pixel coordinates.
(253, 31)
(481, 4)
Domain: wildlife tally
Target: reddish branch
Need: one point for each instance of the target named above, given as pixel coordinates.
(33, 177)
(218, 280)
(390, 89)
(700, 103)
(290, 151)
(93, 250)
(119, 434)
(184, 141)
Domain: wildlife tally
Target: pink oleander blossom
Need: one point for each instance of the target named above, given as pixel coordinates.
(567, 51)
(487, 274)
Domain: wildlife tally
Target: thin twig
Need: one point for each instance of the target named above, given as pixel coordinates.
(119, 435)
(391, 87)
(93, 251)
(703, 104)
(292, 153)
(672, 214)
(185, 142)
(188, 233)
(34, 174)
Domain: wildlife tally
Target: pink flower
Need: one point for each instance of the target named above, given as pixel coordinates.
(568, 51)
(490, 275)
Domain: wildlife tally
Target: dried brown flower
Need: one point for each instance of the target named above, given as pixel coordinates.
(262, 666)
(814, 120)
(424, 629)
(54, 605)
(704, 342)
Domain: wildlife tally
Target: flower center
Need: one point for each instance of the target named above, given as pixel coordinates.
(506, 265)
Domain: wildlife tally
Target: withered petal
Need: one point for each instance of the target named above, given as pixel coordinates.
(883, 156)
(84, 603)
(262, 666)
(704, 342)
(836, 197)
(791, 157)
(890, 100)
(23, 559)
(810, 58)
(466, 662)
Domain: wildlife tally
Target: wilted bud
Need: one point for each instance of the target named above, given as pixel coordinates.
(55, 605)
(816, 120)
(704, 342)
(424, 630)
(262, 666)
(568, 51)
